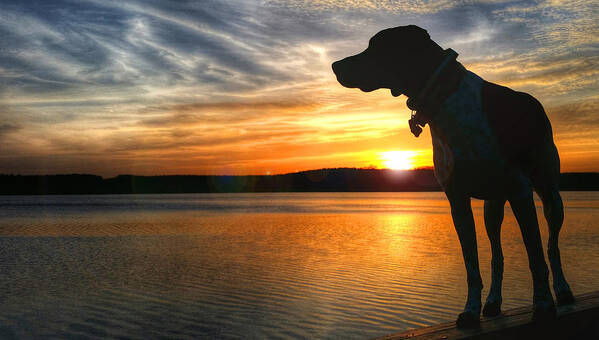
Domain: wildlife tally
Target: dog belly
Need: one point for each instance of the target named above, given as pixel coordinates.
(482, 178)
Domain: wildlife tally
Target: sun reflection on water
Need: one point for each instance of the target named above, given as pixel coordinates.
(317, 265)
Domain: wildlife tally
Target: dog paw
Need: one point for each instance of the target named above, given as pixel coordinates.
(544, 312)
(564, 297)
(468, 320)
(492, 308)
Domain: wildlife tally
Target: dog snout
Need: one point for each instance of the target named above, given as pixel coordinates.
(338, 68)
(343, 71)
(335, 66)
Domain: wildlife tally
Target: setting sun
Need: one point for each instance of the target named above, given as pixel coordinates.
(398, 160)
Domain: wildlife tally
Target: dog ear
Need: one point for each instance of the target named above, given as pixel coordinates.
(418, 39)
(416, 36)
(417, 32)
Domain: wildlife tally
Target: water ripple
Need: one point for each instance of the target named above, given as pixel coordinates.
(283, 266)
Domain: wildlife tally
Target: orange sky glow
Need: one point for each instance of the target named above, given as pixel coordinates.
(247, 88)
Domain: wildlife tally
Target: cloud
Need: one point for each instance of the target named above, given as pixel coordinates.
(157, 86)
(7, 128)
(577, 116)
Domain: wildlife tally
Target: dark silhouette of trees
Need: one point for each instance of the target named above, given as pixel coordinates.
(323, 180)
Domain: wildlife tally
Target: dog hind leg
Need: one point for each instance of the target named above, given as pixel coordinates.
(553, 209)
(546, 182)
(525, 212)
(461, 213)
(493, 218)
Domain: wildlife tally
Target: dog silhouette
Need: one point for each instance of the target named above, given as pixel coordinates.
(489, 142)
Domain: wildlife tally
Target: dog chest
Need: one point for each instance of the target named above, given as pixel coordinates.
(465, 150)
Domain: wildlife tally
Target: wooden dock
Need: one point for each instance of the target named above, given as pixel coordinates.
(576, 321)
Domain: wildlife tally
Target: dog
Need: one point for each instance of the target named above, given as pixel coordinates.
(489, 142)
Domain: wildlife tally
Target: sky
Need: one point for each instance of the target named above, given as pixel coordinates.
(246, 87)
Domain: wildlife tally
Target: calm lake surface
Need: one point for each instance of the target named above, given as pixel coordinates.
(284, 265)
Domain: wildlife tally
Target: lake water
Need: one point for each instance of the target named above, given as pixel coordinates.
(284, 265)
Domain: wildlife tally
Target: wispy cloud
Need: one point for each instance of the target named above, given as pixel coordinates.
(7, 128)
(246, 87)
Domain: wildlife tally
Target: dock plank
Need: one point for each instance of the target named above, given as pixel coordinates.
(579, 320)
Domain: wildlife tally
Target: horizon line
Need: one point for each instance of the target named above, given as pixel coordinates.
(228, 175)
(430, 168)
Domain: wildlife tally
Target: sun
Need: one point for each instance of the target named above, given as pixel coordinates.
(397, 160)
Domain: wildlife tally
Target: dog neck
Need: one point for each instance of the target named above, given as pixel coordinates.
(443, 82)
(415, 102)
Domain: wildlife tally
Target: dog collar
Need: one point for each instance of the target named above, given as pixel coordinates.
(416, 121)
(413, 104)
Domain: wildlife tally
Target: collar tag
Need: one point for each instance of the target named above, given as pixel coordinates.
(414, 123)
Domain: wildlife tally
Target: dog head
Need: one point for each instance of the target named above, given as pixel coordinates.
(400, 59)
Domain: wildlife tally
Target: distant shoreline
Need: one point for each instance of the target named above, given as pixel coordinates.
(323, 180)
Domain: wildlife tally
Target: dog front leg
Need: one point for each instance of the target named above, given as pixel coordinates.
(493, 219)
(463, 221)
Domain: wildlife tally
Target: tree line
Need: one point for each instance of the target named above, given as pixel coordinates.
(323, 180)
